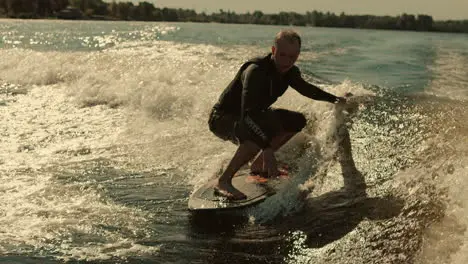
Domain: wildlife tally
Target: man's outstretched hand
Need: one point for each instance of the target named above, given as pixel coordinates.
(340, 100)
(343, 100)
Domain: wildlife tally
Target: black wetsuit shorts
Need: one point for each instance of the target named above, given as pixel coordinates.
(229, 127)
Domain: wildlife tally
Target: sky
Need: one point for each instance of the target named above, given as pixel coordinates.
(438, 9)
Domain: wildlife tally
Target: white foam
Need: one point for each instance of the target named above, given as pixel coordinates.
(445, 240)
(449, 74)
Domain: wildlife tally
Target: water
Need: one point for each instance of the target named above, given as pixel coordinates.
(104, 137)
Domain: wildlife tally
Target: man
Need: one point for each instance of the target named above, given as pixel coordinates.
(243, 114)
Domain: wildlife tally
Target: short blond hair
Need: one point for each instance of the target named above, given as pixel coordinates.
(288, 34)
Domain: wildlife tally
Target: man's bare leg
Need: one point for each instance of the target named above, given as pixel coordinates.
(245, 152)
(276, 143)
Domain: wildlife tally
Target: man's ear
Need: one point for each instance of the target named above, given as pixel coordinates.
(273, 49)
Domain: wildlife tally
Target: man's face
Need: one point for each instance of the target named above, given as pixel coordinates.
(285, 54)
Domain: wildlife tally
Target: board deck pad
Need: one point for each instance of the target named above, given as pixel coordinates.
(256, 189)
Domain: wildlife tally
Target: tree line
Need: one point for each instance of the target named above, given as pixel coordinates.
(145, 11)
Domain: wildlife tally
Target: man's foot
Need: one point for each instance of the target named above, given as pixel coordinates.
(228, 191)
(283, 171)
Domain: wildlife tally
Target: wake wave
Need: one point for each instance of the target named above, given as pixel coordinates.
(150, 104)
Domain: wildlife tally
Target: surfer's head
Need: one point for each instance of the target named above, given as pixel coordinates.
(286, 49)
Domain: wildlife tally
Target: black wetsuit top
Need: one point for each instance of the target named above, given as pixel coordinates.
(256, 86)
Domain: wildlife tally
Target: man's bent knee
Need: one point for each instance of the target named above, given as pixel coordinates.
(295, 123)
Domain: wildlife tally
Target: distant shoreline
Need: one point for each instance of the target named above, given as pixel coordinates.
(144, 11)
(121, 20)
